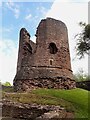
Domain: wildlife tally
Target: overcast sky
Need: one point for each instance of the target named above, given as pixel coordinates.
(16, 15)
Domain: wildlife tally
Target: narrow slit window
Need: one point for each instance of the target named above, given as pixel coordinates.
(51, 62)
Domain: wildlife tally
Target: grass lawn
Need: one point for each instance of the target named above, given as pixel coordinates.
(75, 100)
(77, 97)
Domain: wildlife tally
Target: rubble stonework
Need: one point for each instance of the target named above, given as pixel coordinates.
(46, 63)
(21, 111)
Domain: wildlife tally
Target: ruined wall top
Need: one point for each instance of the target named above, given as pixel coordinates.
(52, 40)
(50, 28)
(47, 62)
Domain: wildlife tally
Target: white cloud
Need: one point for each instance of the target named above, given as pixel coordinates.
(8, 60)
(28, 17)
(71, 14)
(17, 12)
(42, 10)
(14, 8)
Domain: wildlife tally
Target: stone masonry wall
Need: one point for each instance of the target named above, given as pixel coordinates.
(52, 31)
(46, 60)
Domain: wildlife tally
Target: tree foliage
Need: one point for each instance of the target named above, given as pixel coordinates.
(83, 40)
(7, 84)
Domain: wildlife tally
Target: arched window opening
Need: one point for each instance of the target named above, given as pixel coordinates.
(53, 48)
(50, 62)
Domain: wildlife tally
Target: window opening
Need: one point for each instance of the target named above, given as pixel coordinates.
(53, 48)
(50, 62)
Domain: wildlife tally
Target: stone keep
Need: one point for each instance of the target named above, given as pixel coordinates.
(46, 63)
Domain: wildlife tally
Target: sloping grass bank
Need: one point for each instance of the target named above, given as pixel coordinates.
(75, 100)
(77, 97)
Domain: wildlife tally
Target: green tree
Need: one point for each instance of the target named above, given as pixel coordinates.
(83, 40)
(7, 84)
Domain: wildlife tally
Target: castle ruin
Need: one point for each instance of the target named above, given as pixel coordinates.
(46, 63)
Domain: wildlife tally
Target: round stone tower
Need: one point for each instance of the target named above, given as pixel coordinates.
(49, 65)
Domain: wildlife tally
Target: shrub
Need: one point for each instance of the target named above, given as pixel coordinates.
(7, 84)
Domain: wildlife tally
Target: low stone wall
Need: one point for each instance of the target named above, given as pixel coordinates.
(7, 87)
(83, 85)
(19, 111)
(56, 83)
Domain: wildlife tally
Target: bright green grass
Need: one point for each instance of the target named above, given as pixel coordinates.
(78, 98)
(75, 100)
